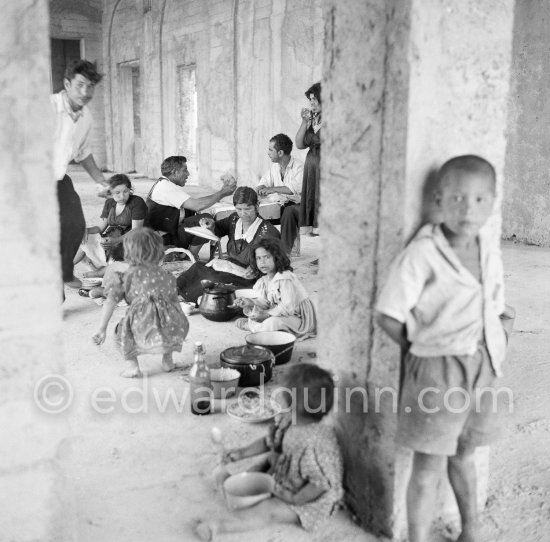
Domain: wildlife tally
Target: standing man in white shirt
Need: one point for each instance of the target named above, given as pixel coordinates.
(73, 122)
(284, 177)
(172, 209)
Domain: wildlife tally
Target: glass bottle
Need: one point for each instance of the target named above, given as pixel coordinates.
(199, 383)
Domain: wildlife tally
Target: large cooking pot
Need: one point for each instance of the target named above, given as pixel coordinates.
(255, 363)
(216, 303)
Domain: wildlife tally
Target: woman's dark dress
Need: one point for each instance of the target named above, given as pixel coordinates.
(238, 252)
(309, 206)
(135, 209)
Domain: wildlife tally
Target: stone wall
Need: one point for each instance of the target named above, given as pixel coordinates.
(253, 60)
(83, 21)
(429, 80)
(526, 206)
(35, 502)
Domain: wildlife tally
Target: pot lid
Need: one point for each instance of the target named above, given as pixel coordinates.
(246, 355)
(220, 289)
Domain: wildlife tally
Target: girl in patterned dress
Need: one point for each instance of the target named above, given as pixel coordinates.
(304, 459)
(154, 322)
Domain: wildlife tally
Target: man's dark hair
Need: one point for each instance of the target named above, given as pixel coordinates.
(282, 143)
(172, 165)
(85, 68)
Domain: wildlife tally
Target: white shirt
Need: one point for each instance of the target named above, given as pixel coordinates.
(447, 311)
(294, 174)
(71, 137)
(165, 192)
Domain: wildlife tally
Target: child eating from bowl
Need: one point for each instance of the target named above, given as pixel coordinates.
(282, 303)
(304, 460)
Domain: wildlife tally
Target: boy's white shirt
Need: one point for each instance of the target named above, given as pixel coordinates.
(447, 311)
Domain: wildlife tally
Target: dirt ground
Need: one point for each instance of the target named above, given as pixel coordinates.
(139, 463)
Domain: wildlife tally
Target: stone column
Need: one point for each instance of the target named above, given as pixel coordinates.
(34, 504)
(406, 86)
(526, 206)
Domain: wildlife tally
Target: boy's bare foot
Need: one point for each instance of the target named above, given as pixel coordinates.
(131, 371)
(203, 530)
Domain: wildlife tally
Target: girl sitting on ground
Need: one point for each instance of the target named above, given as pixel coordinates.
(122, 212)
(304, 460)
(154, 322)
(282, 303)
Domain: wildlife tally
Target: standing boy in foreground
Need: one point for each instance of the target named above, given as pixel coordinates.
(444, 304)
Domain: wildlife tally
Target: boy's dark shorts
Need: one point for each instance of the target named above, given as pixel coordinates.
(449, 403)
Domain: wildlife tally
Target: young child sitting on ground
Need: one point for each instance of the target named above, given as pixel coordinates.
(154, 322)
(122, 212)
(305, 460)
(282, 303)
(444, 304)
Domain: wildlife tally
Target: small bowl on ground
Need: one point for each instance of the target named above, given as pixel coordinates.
(224, 382)
(246, 489)
(280, 343)
(188, 308)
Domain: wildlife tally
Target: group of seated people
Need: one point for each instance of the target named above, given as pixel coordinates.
(171, 211)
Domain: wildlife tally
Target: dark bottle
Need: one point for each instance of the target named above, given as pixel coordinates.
(199, 383)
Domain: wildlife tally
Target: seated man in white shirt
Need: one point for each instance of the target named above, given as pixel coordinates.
(284, 177)
(167, 197)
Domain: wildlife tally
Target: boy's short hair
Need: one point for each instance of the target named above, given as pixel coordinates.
(85, 68)
(172, 165)
(282, 143)
(311, 388)
(468, 163)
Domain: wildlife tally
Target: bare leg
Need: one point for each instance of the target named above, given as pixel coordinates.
(266, 512)
(79, 256)
(97, 273)
(421, 494)
(167, 362)
(462, 475)
(132, 369)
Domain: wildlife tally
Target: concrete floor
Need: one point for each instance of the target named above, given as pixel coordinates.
(141, 472)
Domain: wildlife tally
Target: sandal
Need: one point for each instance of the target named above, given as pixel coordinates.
(83, 292)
